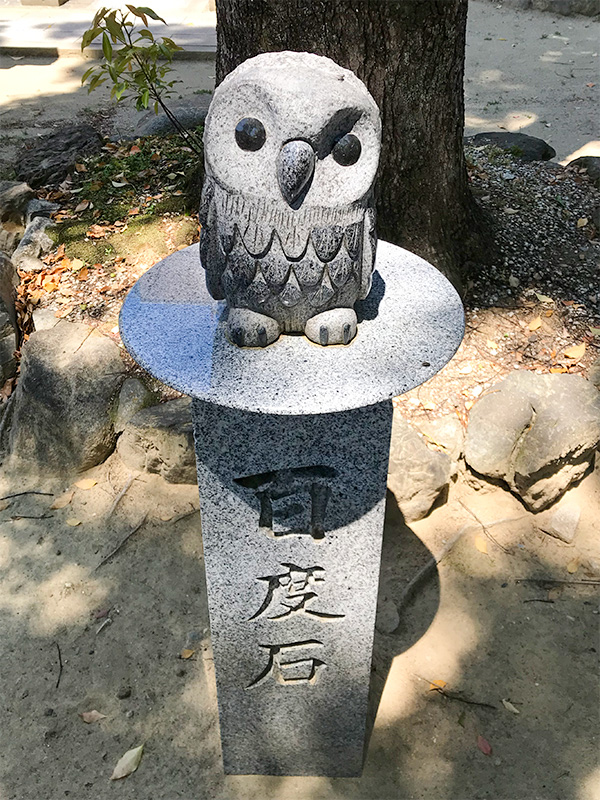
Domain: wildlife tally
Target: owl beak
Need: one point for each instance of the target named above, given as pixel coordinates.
(295, 168)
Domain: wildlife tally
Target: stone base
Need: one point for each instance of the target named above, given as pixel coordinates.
(292, 522)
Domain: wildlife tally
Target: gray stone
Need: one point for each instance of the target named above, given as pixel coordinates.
(133, 397)
(417, 475)
(591, 164)
(411, 324)
(61, 413)
(34, 243)
(44, 319)
(536, 432)
(594, 374)
(39, 208)
(159, 439)
(520, 145)
(49, 160)
(446, 432)
(190, 113)
(287, 208)
(387, 619)
(14, 199)
(292, 521)
(560, 522)
(9, 331)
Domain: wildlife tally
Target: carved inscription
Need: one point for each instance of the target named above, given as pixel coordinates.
(292, 663)
(292, 501)
(293, 591)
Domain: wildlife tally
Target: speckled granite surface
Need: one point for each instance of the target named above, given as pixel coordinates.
(409, 327)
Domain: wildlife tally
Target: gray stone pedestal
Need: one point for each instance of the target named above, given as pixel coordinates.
(292, 447)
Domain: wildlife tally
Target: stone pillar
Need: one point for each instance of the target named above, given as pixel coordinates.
(292, 521)
(292, 446)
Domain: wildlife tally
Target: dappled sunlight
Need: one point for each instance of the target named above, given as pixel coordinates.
(592, 148)
(589, 788)
(498, 78)
(512, 121)
(24, 81)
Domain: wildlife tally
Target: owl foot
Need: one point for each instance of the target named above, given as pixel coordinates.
(250, 329)
(337, 326)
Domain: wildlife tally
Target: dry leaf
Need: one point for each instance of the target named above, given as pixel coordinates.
(85, 483)
(82, 274)
(134, 149)
(481, 544)
(509, 707)
(63, 499)
(185, 654)
(484, 746)
(573, 566)
(133, 211)
(557, 370)
(549, 312)
(582, 222)
(576, 352)
(119, 184)
(50, 283)
(544, 298)
(77, 264)
(73, 522)
(92, 716)
(80, 168)
(82, 206)
(128, 763)
(595, 331)
(535, 324)
(437, 685)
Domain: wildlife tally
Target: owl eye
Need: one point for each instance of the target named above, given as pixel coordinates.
(250, 134)
(346, 150)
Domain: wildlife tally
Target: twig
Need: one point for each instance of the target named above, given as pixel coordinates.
(20, 494)
(184, 515)
(122, 542)
(60, 664)
(460, 699)
(542, 581)
(29, 516)
(485, 527)
(538, 600)
(121, 494)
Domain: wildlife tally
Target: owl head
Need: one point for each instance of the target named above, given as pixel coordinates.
(295, 129)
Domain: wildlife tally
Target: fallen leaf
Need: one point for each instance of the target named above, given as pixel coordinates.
(484, 746)
(549, 312)
(82, 206)
(509, 707)
(80, 167)
(576, 352)
(582, 222)
(134, 149)
(595, 331)
(510, 211)
(573, 566)
(155, 157)
(590, 85)
(50, 283)
(481, 544)
(133, 211)
(119, 184)
(185, 654)
(535, 324)
(76, 264)
(82, 274)
(165, 516)
(544, 298)
(128, 763)
(85, 483)
(73, 522)
(63, 499)
(437, 685)
(92, 716)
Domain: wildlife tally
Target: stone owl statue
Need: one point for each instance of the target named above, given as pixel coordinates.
(292, 144)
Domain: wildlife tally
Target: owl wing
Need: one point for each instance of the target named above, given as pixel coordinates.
(211, 254)
(368, 255)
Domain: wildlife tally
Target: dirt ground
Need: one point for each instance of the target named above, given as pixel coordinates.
(516, 623)
(476, 623)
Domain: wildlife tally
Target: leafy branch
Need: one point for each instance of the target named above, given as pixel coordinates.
(138, 65)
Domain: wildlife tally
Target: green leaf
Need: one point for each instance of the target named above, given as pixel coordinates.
(150, 13)
(146, 34)
(116, 31)
(97, 80)
(145, 97)
(89, 36)
(106, 46)
(87, 74)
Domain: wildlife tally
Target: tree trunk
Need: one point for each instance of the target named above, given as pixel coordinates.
(410, 54)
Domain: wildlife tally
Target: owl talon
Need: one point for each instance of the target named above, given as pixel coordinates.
(247, 328)
(337, 326)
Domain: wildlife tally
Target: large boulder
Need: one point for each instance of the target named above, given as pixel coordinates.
(63, 405)
(48, 160)
(520, 145)
(160, 439)
(536, 432)
(133, 397)
(417, 475)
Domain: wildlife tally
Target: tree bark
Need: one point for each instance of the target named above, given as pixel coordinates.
(410, 54)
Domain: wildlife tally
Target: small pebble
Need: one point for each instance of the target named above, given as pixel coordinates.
(129, 714)
(124, 692)
(49, 712)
